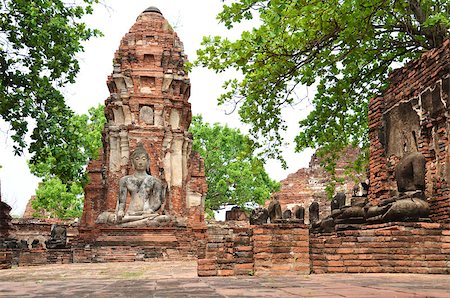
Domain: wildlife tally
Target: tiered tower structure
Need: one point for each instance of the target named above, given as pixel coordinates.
(148, 104)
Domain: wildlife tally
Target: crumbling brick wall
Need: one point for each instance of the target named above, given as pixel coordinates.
(139, 244)
(281, 249)
(40, 229)
(412, 115)
(271, 249)
(228, 251)
(383, 248)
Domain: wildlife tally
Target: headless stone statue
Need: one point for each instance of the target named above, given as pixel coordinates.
(287, 214)
(259, 216)
(147, 195)
(411, 203)
(351, 217)
(274, 210)
(337, 203)
(313, 213)
(299, 213)
(58, 237)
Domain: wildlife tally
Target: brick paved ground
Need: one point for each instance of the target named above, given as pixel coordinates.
(178, 279)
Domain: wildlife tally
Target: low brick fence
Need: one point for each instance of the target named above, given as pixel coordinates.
(5, 259)
(110, 245)
(272, 249)
(228, 251)
(383, 248)
(281, 249)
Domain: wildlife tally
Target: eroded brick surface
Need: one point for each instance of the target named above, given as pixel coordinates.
(149, 105)
(383, 248)
(273, 249)
(412, 115)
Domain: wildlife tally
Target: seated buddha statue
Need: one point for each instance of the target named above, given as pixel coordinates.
(147, 195)
(410, 204)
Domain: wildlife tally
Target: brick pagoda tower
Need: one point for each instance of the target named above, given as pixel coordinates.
(148, 104)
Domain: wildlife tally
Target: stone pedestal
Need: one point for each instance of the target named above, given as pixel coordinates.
(138, 244)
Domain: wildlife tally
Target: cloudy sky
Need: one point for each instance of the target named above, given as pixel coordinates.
(192, 20)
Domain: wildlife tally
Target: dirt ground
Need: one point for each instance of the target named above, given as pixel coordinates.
(179, 279)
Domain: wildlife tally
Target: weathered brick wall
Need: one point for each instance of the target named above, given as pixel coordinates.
(139, 244)
(39, 229)
(5, 259)
(94, 191)
(228, 251)
(383, 248)
(5, 220)
(412, 115)
(281, 249)
(308, 185)
(40, 256)
(113, 245)
(275, 249)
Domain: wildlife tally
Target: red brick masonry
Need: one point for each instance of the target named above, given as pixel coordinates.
(413, 113)
(384, 248)
(261, 250)
(283, 249)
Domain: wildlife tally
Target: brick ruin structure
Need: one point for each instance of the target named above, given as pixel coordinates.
(5, 231)
(413, 115)
(410, 116)
(5, 220)
(30, 212)
(148, 105)
(412, 112)
(307, 185)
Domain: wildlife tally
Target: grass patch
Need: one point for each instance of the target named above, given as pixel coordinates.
(132, 274)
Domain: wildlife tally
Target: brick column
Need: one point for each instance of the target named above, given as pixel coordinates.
(281, 249)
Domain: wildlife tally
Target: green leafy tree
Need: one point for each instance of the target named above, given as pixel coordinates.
(39, 40)
(63, 170)
(344, 47)
(58, 200)
(234, 175)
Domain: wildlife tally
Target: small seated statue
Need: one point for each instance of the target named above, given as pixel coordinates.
(147, 195)
(314, 213)
(58, 237)
(299, 213)
(274, 210)
(410, 204)
(349, 217)
(259, 216)
(327, 224)
(286, 214)
(354, 214)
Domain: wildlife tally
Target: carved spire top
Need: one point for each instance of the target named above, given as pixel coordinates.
(152, 9)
